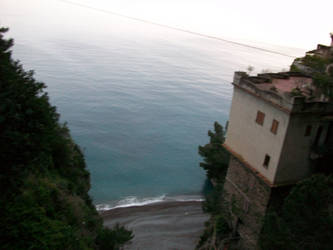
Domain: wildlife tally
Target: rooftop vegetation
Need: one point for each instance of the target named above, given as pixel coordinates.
(321, 70)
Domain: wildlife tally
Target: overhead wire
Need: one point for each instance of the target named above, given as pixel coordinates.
(175, 28)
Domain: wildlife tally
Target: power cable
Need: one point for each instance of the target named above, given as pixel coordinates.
(175, 28)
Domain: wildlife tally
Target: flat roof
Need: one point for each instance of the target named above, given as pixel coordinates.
(283, 83)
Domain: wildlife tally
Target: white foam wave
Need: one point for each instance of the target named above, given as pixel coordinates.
(132, 201)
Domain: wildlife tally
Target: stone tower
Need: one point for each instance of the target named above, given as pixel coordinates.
(277, 125)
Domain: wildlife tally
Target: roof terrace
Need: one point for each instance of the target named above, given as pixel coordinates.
(289, 91)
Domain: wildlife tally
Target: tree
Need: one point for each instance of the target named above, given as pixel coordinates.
(306, 219)
(44, 183)
(28, 123)
(250, 69)
(215, 156)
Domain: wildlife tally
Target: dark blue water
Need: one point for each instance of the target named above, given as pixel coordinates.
(139, 103)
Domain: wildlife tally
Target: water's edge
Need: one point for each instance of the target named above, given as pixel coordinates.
(133, 201)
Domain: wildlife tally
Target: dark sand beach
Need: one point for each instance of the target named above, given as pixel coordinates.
(164, 225)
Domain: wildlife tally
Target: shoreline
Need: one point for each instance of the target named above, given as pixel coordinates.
(163, 225)
(146, 208)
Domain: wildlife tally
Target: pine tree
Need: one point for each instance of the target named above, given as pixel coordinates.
(215, 156)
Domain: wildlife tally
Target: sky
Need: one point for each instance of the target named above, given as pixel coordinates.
(294, 23)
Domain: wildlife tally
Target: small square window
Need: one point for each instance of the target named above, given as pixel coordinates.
(308, 130)
(266, 161)
(275, 126)
(260, 118)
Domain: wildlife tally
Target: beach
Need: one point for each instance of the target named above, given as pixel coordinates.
(162, 226)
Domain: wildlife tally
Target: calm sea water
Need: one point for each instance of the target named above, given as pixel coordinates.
(139, 103)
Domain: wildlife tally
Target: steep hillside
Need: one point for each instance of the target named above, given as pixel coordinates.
(44, 201)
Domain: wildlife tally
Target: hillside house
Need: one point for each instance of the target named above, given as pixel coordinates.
(279, 123)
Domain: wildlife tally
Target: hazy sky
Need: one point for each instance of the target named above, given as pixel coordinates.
(295, 23)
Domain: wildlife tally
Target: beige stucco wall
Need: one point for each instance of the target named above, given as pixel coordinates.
(252, 141)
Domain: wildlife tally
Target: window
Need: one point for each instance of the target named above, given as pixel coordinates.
(260, 118)
(275, 126)
(308, 130)
(266, 161)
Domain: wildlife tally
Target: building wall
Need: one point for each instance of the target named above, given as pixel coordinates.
(252, 141)
(295, 163)
(246, 198)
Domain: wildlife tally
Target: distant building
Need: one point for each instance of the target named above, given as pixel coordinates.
(277, 125)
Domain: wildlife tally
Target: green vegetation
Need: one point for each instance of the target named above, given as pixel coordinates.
(302, 220)
(296, 92)
(113, 239)
(316, 63)
(217, 228)
(320, 70)
(305, 220)
(216, 159)
(43, 178)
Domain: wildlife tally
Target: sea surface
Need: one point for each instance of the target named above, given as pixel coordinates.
(139, 99)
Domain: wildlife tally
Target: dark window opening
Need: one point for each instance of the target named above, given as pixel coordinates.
(240, 222)
(266, 161)
(260, 118)
(275, 126)
(308, 130)
(328, 134)
(319, 132)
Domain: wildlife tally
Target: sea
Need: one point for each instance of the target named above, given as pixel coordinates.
(138, 98)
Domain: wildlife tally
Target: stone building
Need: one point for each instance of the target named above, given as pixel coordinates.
(277, 127)
(323, 50)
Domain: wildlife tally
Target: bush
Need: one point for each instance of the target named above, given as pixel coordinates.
(112, 238)
(305, 221)
(222, 227)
